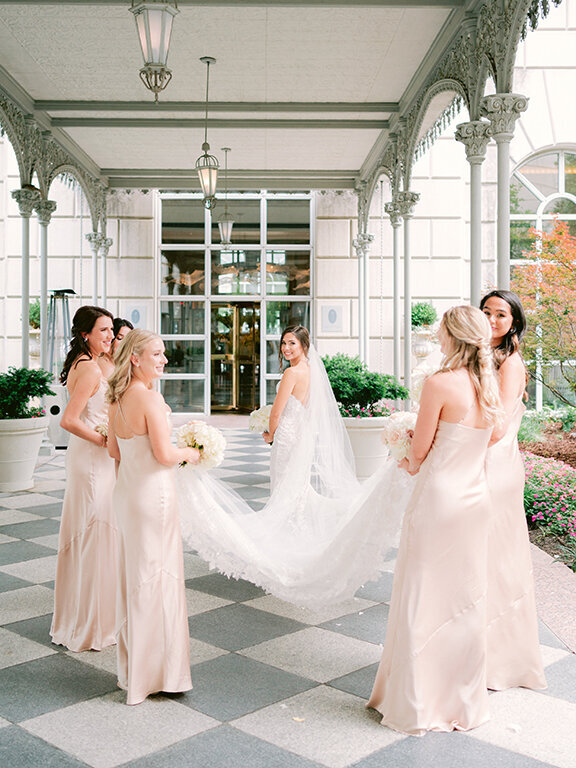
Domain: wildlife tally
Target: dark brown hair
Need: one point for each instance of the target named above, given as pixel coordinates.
(511, 342)
(303, 336)
(83, 322)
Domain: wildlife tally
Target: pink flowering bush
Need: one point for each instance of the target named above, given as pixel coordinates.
(550, 495)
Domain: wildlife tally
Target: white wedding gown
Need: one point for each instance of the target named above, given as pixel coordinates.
(322, 534)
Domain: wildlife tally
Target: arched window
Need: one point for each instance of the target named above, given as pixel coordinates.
(542, 189)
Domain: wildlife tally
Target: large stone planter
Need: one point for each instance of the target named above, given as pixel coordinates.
(367, 446)
(422, 343)
(20, 441)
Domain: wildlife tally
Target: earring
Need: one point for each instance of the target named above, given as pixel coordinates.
(512, 330)
(85, 338)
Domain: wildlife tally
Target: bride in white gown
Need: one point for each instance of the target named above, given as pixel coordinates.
(322, 534)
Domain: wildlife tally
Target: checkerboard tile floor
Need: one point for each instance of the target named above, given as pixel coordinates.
(275, 686)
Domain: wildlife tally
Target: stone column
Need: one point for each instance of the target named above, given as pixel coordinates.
(503, 109)
(94, 238)
(105, 243)
(26, 199)
(362, 247)
(475, 136)
(396, 221)
(406, 202)
(44, 210)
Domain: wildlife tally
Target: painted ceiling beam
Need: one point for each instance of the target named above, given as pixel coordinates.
(216, 106)
(170, 122)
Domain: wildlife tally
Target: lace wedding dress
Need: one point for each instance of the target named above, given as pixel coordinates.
(322, 534)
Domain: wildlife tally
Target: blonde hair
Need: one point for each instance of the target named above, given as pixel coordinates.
(133, 343)
(469, 335)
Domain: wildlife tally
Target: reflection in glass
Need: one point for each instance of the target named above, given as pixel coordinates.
(181, 317)
(288, 272)
(235, 367)
(235, 272)
(182, 221)
(246, 215)
(280, 314)
(271, 386)
(272, 361)
(520, 238)
(521, 198)
(570, 171)
(182, 273)
(560, 205)
(288, 221)
(543, 173)
(184, 356)
(183, 395)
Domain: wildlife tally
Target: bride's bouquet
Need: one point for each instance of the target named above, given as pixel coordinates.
(259, 419)
(418, 378)
(208, 440)
(102, 429)
(396, 433)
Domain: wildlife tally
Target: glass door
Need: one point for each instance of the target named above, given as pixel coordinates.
(235, 356)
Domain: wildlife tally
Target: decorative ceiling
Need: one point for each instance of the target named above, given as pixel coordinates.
(302, 92)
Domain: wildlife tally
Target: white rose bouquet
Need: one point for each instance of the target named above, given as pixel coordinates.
(208, 440)
(418, 377)
(395, 435)
(260, 419)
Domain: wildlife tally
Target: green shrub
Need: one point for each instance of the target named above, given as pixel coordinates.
(359, 391)
(34, 314)
(567, 417)
(423, 313)
(550, 496)
(20, 385)
(532, 427)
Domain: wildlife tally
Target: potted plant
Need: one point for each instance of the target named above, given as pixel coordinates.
(361, 396)
(423, 316)
(34, 323)
(22, 425)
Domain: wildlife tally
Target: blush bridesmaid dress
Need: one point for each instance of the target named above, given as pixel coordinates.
(432, 676)
(513, 651)
(152, 621)
(85, 588)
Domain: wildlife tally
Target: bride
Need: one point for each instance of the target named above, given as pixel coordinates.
(321, 534)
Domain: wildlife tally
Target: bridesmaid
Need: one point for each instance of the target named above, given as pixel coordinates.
(85, 588)
(432, 676)
(120, 327)
(513, 647)
(152, 621)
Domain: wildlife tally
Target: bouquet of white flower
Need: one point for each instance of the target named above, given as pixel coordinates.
(259, 419)
(395, 435)
(419, 376)
(102, 429)
(208, 440)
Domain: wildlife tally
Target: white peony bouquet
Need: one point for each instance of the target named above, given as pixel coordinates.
(259, 419)
(209, 441)
(395, 435)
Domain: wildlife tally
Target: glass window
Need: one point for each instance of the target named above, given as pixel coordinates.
(181, 317)
(522, 200)
(560, 205)
(288, 221)
(288, 272)
(280, 314)
(272, 361)
(542, 171)
(182, 273)
(184, 395)
(246, 215)
(236, 272)
(570, 171)
(520, 238)
(271, 387)
(184, 356)
(182, 221)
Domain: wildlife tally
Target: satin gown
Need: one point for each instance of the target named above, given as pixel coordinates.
(514, 657)
(432, 675)
(85, 588)
(152, 620)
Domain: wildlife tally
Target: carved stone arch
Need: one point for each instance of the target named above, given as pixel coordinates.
(93, 189)
(24, 136)
(486, 70)
(381, 170)
(414, 130)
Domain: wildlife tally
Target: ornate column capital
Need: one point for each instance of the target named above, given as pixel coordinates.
(362, 243)
(27, 200)
(393, 212)
(406, 202)
(44, 210)
(503, 109)
(94, 238)
(105, 244)
(475, 136)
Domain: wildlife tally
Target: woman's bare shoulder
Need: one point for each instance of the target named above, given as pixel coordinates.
(513, 363)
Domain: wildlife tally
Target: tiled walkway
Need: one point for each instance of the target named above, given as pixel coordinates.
(274, 686)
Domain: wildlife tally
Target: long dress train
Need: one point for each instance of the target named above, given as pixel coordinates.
(432, 675)
(514, 657)
(152, 622)
(85, 588)
(322, 533)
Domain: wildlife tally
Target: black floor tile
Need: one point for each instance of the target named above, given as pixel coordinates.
(228, 589)
(561, 678)
(46, 510)
(234, 627)
(19, 749)
(359, 683)
(377, 591)
(368, 624)
(18, 551)
(8, 582)
(57, 681)
(36, 629)
(32, 529)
